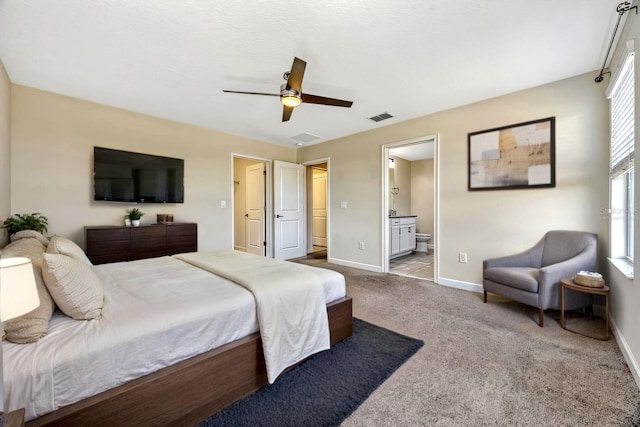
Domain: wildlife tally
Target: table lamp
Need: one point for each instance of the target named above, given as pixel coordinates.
(18, 296)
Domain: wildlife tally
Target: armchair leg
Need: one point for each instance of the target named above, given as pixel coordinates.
(485, 297)
(541, 318)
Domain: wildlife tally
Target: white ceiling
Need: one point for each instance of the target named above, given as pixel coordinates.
(172, 59)
(421, 151)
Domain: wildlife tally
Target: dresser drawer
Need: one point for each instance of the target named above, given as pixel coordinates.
(150, 232)
(182, 238)
(106, 234)
(106, 245)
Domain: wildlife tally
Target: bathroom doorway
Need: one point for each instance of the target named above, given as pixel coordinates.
(410, 215)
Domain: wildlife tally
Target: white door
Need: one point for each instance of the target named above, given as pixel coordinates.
(255, 209)
(288, 210)
(319, 226)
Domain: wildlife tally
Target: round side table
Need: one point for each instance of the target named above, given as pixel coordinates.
(569, 284)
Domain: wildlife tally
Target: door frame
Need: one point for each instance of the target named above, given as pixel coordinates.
(308, 165)
(268, 184)
(436, 196)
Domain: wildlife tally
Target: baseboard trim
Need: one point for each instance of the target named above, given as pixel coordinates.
(361, 266)
(240, 248)
(459, 284)
(632, 363)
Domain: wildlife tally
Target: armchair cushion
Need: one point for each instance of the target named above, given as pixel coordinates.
(524, 278)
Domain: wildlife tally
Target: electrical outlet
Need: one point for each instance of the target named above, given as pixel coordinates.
(462, 257)
(360, 245)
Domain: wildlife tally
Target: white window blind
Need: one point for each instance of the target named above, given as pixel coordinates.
(622, 119)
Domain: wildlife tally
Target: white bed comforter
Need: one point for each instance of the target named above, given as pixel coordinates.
(292, 313)
(156, 313)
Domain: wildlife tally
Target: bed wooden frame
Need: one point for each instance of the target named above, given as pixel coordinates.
(190, 391)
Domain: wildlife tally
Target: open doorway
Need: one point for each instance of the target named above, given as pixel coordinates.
(410, 208)
(318, 208)
(251, 205)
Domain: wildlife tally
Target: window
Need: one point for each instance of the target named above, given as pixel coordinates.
(622, 95)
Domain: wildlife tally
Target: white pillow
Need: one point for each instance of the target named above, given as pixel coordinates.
(60, 245)
(74, 286)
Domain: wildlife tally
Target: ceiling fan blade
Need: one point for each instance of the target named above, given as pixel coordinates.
(295, 75)
(252, 93)
(315, 99)
(286, 113)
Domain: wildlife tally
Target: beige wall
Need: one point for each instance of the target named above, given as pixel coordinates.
(356, 167)
(422, 196)
(52, 149)
(625, 293)
(5, 150)
(487, 223)
(240, 201)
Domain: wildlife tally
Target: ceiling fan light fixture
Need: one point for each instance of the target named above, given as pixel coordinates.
(289, 97)
(291, 100)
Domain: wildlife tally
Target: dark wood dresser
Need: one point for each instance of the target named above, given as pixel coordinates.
(106, 244)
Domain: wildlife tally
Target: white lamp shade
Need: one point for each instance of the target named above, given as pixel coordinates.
(18, 291)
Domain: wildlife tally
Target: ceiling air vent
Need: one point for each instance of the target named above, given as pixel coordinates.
(305, 137)
(381, 117)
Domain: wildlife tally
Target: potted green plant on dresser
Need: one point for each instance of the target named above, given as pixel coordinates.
(135, 215)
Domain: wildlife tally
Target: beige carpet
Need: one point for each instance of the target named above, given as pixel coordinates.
(487, 364)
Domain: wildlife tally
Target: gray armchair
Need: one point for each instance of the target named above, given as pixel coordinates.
(533, 276)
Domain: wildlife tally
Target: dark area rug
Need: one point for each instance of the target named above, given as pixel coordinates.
(327, 388)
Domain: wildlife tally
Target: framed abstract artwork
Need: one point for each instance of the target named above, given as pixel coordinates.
(513, 157)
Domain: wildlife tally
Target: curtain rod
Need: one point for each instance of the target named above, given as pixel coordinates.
(622, 8)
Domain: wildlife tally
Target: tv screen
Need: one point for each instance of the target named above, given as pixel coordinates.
(123, 176)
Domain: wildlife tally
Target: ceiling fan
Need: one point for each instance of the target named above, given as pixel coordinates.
(291, 92)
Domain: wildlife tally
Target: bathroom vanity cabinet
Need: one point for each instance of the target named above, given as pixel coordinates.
(402, 235)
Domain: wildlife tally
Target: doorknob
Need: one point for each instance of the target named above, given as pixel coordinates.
(279, 216)
(247, 215)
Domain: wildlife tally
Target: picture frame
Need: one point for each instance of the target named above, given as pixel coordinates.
(516, 156)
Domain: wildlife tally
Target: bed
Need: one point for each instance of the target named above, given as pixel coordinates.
(175, 343)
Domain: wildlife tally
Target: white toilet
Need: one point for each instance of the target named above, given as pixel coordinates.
(421, 242)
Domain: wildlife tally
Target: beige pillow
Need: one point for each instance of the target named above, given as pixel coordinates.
(32, 326)
(26, 234)
(74, 286)
(60, 245)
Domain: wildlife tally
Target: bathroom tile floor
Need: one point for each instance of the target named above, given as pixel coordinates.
(417, 264)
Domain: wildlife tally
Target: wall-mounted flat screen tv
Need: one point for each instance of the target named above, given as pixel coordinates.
(123, 176)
